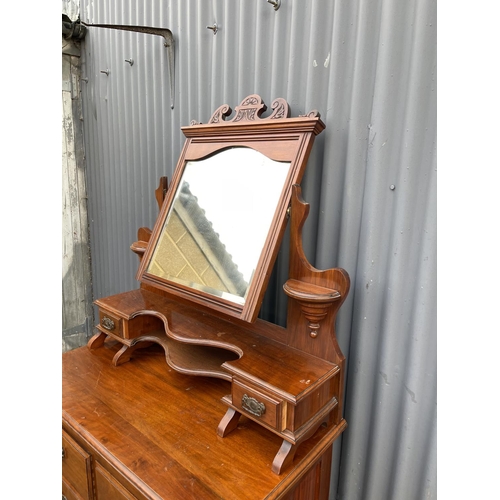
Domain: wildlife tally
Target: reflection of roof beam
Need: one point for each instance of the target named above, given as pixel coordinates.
(197, 215)
(205, 247)
(168, 44)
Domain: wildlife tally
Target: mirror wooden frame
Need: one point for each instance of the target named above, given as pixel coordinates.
(278, 137)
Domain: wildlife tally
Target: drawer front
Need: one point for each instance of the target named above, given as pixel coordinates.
(257, 405)
(68, 492)
(76, 469)
(110, 323)
(108, 488)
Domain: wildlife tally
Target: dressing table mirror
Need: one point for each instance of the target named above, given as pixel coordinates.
(230, 194)
(217, 224)
(205, 266)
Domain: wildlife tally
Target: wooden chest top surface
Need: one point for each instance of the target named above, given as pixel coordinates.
(158, 428)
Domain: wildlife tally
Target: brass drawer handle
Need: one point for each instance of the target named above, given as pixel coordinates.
(63, 454)
(253, 406)
(108, 323)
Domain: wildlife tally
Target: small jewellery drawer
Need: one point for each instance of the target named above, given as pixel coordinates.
(110, 323)
(257, 405)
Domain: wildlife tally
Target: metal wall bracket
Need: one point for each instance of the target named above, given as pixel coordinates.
(214, 28)
(275, 3)
(168, 44)
(73, 29)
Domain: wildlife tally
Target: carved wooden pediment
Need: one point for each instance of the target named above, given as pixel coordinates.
(251, 109)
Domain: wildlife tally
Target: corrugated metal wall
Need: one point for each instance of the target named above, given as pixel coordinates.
(369, 67)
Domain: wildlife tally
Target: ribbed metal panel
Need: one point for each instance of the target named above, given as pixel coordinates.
(369, 67)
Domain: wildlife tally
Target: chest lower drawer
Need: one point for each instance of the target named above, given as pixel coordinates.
(76, 470)
(108, 487)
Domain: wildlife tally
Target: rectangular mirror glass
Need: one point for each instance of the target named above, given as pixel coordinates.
(217, 225)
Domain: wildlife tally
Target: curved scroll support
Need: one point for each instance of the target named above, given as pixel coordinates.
(228, 423)
(144, 233)
(284, 457)
(161, 191)
(316, 295)
(96, 341)
(286, 453)
(125, 353)
(300, 268)
(311, 313)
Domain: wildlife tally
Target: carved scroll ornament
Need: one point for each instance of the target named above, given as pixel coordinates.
(251, 109)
